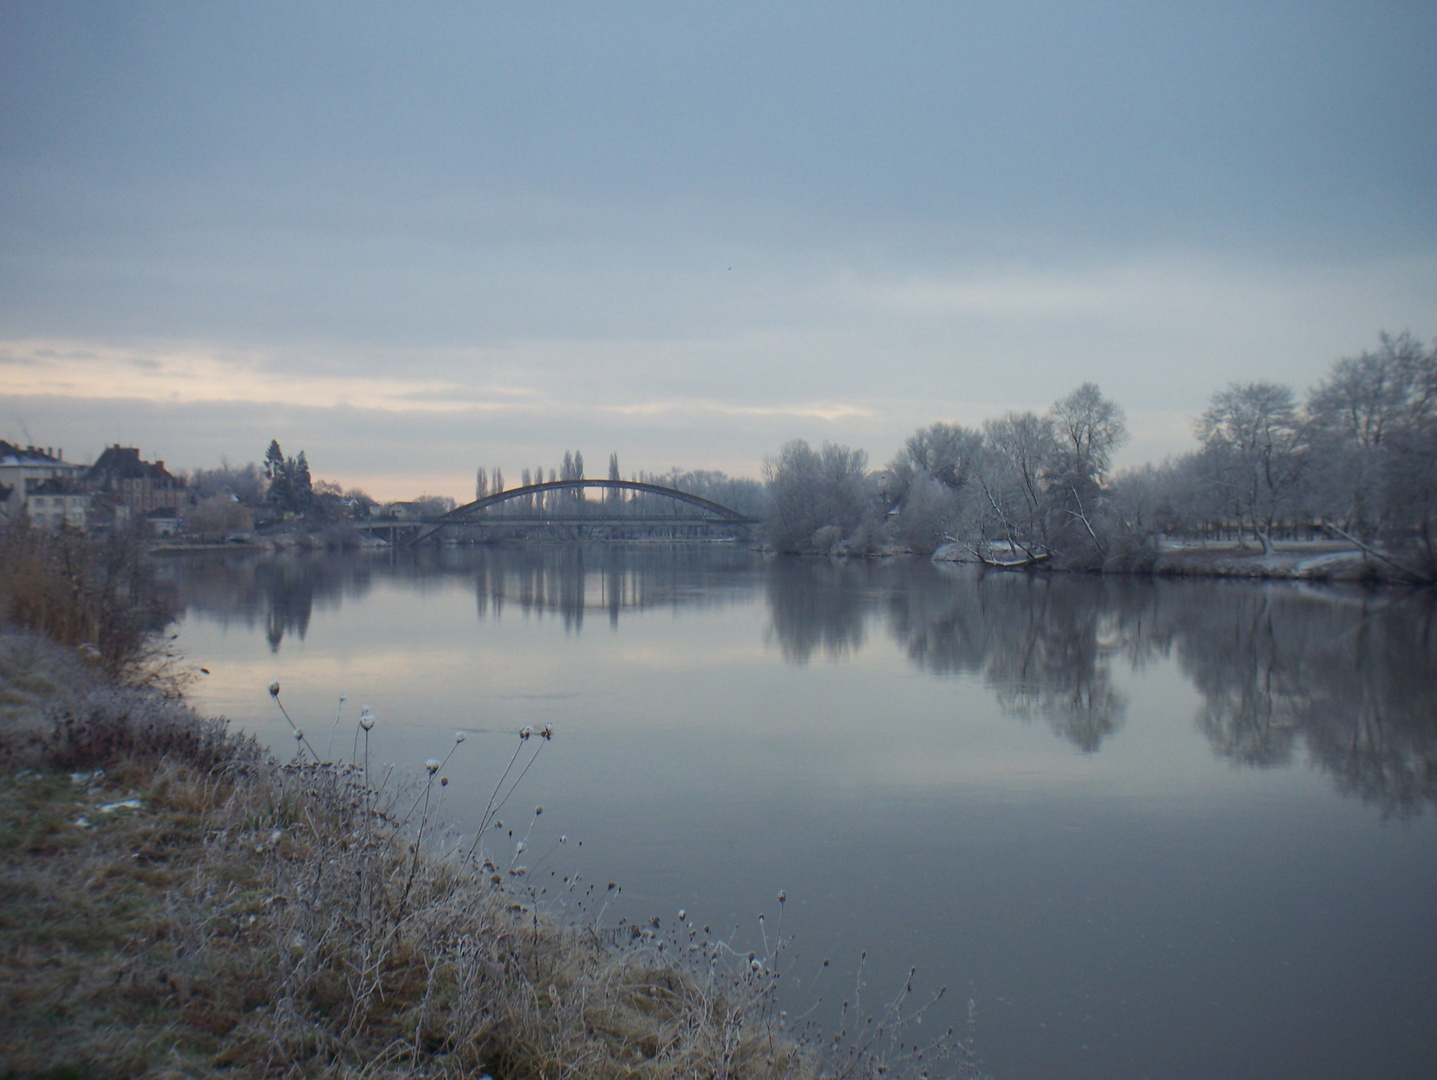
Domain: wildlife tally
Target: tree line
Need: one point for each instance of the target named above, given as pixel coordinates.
(1356, 459)
(230, 498)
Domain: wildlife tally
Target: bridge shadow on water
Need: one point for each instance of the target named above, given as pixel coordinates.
(1348, 679)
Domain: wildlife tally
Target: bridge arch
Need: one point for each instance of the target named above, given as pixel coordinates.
(468, 513)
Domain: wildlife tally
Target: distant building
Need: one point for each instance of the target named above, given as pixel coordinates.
(21, 463)
(133, 486)
(56, 502)
(23, 469)
(163, 521)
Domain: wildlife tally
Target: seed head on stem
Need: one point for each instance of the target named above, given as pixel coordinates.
(298, 735)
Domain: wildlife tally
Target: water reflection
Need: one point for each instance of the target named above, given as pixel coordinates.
(1351, 679)
(1348, 680)
(561, 580)
(1044, 646)
(819, 606)
(280, 592)
(572, 581)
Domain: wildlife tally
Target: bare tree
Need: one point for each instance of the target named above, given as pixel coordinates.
(247, 483)
(815, 492)
(1019, 449)
(1252, 437)
(1087, 429)
(946, 452)
(1364, 422)
(218, 516)
(927, 481)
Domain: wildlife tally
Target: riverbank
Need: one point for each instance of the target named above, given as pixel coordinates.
(176, 902)
(1297, 561)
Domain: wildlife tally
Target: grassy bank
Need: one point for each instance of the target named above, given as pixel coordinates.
(176, 902)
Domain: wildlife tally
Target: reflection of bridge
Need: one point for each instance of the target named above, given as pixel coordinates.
(561, 503)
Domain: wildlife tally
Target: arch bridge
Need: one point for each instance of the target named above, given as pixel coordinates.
(536, 508)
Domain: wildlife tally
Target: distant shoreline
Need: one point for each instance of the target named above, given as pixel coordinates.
(1294, 561)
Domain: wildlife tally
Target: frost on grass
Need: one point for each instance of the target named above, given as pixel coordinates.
(244, 917)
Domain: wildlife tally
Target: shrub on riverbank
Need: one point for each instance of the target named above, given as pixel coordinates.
(177, 902)
(95, 589)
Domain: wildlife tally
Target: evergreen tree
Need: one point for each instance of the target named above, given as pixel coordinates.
(302, 487)
(273, 461)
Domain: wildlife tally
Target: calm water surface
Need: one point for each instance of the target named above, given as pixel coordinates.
(1152, 829)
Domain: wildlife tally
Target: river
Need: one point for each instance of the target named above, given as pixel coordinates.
(1148, 828)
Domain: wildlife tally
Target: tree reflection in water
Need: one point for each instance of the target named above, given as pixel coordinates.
(280, 591)
(1347, 678)
(1353, 679)
(820, 605)
(567, 581)
(1043, 643)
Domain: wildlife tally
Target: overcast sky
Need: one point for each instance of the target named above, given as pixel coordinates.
(411, 240)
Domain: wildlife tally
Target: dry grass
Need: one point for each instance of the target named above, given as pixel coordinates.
(95, 589)
(174, 902)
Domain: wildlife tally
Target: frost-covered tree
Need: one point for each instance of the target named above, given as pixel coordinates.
(1364, 421)
(1087, 430)
(928, 482)
(1253, 450)
(1018, 452)
(817, 497)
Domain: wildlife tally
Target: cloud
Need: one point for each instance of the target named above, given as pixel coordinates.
(859, 350)
(690, 409)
